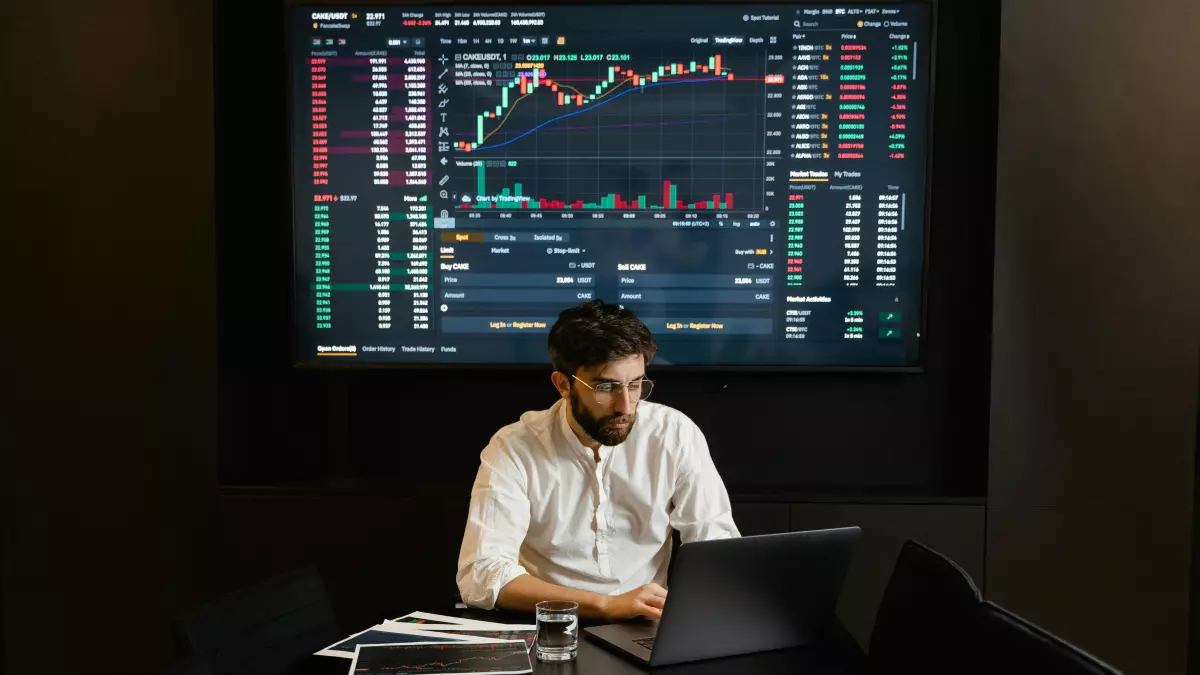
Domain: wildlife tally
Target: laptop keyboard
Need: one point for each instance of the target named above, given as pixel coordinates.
(647, 642)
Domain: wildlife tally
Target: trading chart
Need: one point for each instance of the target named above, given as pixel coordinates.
(750, 179)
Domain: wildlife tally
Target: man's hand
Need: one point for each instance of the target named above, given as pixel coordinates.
(647, 601)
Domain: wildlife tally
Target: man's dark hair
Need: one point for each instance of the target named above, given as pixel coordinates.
(596, 332)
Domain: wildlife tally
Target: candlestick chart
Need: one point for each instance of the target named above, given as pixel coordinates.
(613, 133)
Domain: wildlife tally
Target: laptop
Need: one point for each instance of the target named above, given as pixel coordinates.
(742, 595)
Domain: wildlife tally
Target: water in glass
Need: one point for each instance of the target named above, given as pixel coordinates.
(557, 631)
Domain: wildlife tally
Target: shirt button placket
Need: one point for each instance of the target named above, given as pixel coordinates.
(601, 523)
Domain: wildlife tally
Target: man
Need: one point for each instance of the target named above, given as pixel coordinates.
(578, 502)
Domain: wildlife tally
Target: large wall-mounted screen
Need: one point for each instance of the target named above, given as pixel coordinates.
(751, 180)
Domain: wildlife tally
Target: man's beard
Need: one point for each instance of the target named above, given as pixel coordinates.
(596, 427)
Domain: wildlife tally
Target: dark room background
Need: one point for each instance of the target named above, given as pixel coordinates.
(159, 449)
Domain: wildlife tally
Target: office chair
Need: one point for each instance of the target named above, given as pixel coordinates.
(924, 621)
(1006, 643)
(265, 629)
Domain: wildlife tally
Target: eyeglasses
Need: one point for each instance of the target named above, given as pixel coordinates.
(605, 392)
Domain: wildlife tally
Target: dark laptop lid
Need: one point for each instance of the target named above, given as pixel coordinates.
(751, 594)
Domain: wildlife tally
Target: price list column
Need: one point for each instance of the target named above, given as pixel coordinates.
(322, 261)
(320, 119)
(795, 240)
(852, 100)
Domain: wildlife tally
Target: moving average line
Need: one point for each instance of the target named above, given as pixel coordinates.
(588, 109)
(513, 107)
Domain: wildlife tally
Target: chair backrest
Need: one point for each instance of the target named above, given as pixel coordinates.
(1005, 643)
(924, 621)
(265, 629)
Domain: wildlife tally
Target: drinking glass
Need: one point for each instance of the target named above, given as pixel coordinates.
(557, 630)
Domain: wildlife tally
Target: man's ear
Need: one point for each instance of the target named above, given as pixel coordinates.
(562, 383)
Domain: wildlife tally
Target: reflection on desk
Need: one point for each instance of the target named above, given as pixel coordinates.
(840, 655)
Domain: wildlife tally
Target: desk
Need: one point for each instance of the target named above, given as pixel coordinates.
(839, 656)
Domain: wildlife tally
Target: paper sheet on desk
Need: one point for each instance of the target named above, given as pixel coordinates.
(440, 658)
(421, 618)
(396, 633)
(503, 631)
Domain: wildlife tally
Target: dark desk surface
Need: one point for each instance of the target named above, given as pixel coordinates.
(840, 656)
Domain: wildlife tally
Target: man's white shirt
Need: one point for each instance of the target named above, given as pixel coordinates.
(542, 505)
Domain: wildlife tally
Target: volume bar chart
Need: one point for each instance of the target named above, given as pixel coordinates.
(514, 198)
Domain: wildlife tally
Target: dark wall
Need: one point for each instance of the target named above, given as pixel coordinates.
(1193, 649)
(845, 434)
(109, 347)
(1094, 384)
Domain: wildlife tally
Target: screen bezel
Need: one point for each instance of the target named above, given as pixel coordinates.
(312, 364)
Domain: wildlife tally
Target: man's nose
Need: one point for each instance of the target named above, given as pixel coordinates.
(625, 402)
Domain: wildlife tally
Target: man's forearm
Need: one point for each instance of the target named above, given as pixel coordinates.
(522, 593)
